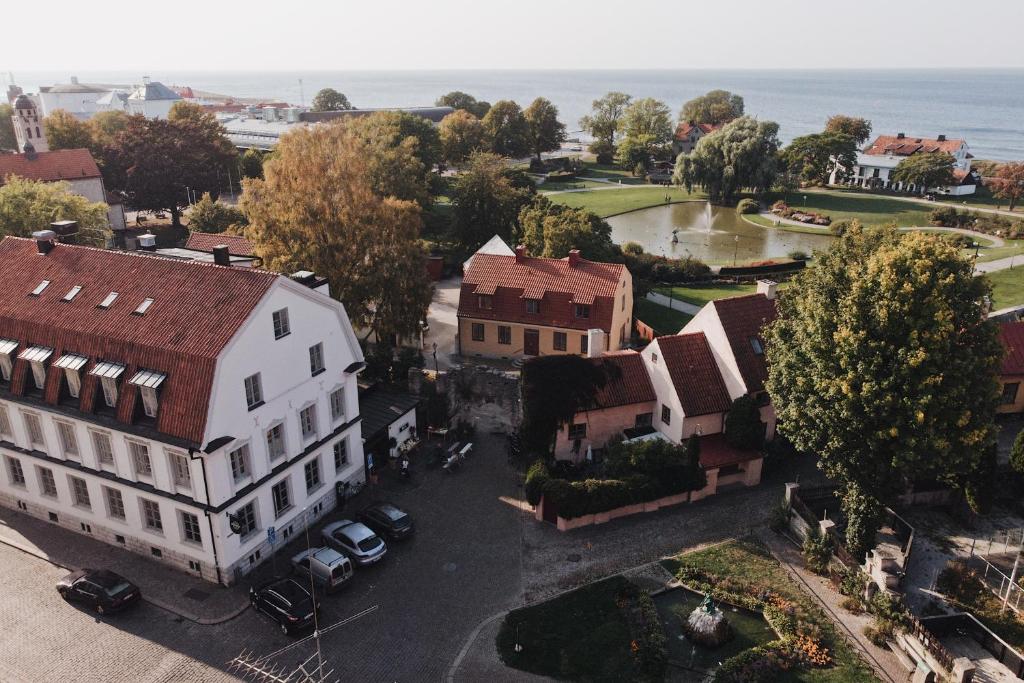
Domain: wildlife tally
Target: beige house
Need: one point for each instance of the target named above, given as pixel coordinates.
(1011, 373)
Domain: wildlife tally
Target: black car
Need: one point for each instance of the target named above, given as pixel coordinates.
(99, 589)
(285, 601)
(387, 520)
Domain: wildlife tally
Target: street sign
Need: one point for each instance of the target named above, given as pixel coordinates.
(235, 523)
(369, 461)
(271, 535)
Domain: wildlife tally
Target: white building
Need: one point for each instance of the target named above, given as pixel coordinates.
(878, 161)
(28, 125)
(152, 99)
(78, 99)
(155, 404)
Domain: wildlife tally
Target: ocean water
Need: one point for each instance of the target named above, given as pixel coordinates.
(985, 107)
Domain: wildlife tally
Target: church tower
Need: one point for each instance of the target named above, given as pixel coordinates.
(28, 128)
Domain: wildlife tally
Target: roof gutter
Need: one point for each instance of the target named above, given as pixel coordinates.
(209, 520)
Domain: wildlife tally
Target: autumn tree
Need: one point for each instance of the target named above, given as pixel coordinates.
(461, 134)
(209, 215)
(646, 128)
(552, 230)
(546, 132)
(105, 126)
(883, 364)
(1008, 183)
(925, 170)
(8, 141)
(603, 122)
(329, 99)
(486, 200)
(742, 154)
(250, 163)
(857, 128)
(459, 100)
(64, 131)
(29, 205)
(507, 130)
(402, 153)
(316, 209)
(716, 107)
(813, 157)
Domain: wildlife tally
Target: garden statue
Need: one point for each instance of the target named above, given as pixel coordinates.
(707, 625)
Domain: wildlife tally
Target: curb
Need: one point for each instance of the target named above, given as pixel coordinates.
(29, 550)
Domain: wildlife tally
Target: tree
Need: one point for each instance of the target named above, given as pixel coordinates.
(329, 99)
(8, 141)
(857, 128)
(603, 122)
(552, 230)
(486, 201)
(250, 163)
(209, 215)
(743, 426)
(30, 205)
(882, 363)
(398, 153)
(507, 130)
(64, 131)
(813, 157)
(716, 107)
(924, 170)
(546, 132)
(1009, 183)
(646, 128)
(316, 209)
(461, 134)
(741, 154)
(1017, 454)
(554, 389)
(460, 100)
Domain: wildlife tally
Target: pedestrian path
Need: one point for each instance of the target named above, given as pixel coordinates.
(674, 304)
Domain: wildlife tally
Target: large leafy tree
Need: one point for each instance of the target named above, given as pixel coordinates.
(646, 128)
(507, 130)
(7, 139)
(30, 205)
(1008, 183)
(857, 128)
(316, 209)
(403, 153)
(883, 364)
(457, 99)
(461, 134)
(743, 154)
(555, 388)
(64, 131)
(209, 215)
(603, 122)
(925, 170)
(552, 230)
(546, 132)
(329, 99)
(487, 199)
(105, 126)
(812, 157)
(716, 107)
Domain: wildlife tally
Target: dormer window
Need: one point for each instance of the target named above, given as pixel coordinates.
(37, 357)
(108, 301)
(484, 302)
(72, 293)
(108, 373)
(582, 311)
(72, 365)
(148, 382)
(40, 287)
(533, 306)
(7, 347)
(143, 307)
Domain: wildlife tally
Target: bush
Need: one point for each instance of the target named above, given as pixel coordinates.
(743, 426)
(650, 651)
(875, 635)
(748, 205)
(959, 240)
(640, 170)
(945, 216)
(798, 255)
(536, 477)
(839, 228)
(632, 248)
(778, 517)
(1017, 454)
(817, 551)
(852, 605)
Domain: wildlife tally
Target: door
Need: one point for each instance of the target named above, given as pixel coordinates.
(531, 342)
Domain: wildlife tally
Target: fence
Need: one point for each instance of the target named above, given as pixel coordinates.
(930, 640)
(965, 624)
(1010, 592)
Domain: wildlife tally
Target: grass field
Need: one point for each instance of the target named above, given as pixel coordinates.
(609, 202)
(699, 295)
(664, 320)
(868, 209)
(1007, 287)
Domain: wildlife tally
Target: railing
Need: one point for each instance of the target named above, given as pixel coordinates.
(931, 642)
(966, 624)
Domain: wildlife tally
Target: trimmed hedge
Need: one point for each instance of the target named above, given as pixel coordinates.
(536, 477)
(591, 496)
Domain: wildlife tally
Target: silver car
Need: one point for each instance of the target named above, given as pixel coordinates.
(355, 540)
(327, 566)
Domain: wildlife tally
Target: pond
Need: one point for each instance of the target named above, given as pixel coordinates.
(709, 233)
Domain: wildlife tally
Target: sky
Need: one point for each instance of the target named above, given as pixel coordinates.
(221, 35)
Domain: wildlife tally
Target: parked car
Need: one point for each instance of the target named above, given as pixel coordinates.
(355, 540)
(286, 602)
(99, 589)
(329, 568)
(387, 520)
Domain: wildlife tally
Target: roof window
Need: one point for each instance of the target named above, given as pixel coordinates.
(40, 287)
(143, 307)
(72, 293)
(755, 344)
(108, 301)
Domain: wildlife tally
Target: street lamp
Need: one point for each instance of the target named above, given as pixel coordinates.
(735, 249)
(434, 346)
(976, 247)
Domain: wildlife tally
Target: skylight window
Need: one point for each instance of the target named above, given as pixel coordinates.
(144, 306)
(755, 344)
(40, 287)
(73, 292)
(106, 303)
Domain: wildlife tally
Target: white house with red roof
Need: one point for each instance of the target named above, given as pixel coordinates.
(877, 162)
(688, 134)
(176, 408)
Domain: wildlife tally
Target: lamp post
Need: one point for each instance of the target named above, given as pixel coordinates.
(976, 246)
(434, 347)
(735, 249)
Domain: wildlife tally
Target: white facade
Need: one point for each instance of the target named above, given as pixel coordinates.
(875, 171)
(680, 426)
(28, 125)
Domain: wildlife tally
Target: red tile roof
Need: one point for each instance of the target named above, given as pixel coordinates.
(61, 164)
(1012, 337)
(197, 309)
(890, 144)
(684, 128)
(694, 373)
(557, 284)
(716, 452)
(742, 319)
(628, 381)
(206, 241)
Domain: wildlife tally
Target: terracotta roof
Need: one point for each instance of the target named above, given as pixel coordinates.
(196, 310)
(553, 281)
(694, 373)
(742, 318)
(61, 164)
(684, 128)
(1012, 337)
(716, 452)
(206, 241)
(628, 381)
(905, 146)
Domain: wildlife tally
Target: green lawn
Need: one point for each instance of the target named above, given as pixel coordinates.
(556, 186)
(1012, 248)
(609, 202)
(664, 320)
(699, 295)
(1007, 287)
(592, 170)
(869, 209)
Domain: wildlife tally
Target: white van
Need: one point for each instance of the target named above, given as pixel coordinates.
(329, 568)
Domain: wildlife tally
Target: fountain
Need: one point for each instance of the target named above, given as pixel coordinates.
(707, 625)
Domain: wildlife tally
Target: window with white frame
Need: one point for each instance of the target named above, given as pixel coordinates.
(109, 374)
(281, 496)
(316, 359)
(7, 348)
(109, 385)
(340, 455)
(80, 492)
(35, 429)
(338, 404)
(68, 439)
(103, 448)
(149, 383)
(5, 422)
(141, 463)
(239, 462)
(282, 327)
(246, 516)
(150, 405)
(180, 470)
(190, 527)
(115, 503)
(307, 421)
(14, 471)
(275, 441)
(312, 472)
(151, 515)
(253, 391)
(47, 482)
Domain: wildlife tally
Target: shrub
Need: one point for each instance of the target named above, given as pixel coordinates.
(748, 205)
(875, 636)
(944, 216)
(650, 647)
(852, 605)
(852, 582)
(817, 551)
(1017, 454)
(632, 248)
(839, 228)
(798, 255)
(536, 477)
(778, 517)
(743, 426)
(959, 240)
(779, 207)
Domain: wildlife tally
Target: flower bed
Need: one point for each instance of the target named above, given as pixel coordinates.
(783, 210)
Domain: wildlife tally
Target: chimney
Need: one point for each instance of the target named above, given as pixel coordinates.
(147, 242)
(900, 136)
(767, 287)
(942, 138)
(74, 80)
(221, 256)
(145, 80)
(520, 253)
(46, 240)
(574, 258)
(64, 228)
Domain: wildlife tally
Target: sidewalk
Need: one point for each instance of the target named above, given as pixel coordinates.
(674, 304)
(175, 591)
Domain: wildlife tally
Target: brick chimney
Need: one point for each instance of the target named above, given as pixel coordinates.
(900, 136)
(520, 253)
(767, 287)
(942, 138)
(574, 258)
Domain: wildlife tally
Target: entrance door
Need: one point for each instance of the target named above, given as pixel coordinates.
(531, 342)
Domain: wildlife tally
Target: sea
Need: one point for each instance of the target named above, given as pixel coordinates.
(984, 107)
